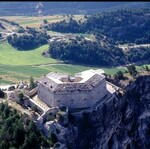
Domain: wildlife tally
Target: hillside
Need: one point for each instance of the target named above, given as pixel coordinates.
(29, 8)
(123, 26)
(18, 130)
(111, 30)
(7, 28)
(119, 124)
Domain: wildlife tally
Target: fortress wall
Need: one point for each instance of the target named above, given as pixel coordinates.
(75, 99)
(45, 95)
(99, 92)
(82, 99)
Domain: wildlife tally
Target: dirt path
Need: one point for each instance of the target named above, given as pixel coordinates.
(15, 106)
(7, 86)
(52, 64)
(124, 47)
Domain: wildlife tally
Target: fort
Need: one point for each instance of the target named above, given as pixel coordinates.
(81, 91)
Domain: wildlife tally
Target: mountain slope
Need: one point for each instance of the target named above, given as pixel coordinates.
(120, 124)
(29, 8)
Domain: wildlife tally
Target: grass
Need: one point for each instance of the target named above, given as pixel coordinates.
(16, 65)
(33, 21)
(14, 74)
(6, 82)
(11, 56)
(71, 69)
(24, 70)
(90, 36)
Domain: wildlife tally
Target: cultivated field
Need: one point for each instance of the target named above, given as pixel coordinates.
(10, 74)
(11, 56)
(35, 21)
(20, 65)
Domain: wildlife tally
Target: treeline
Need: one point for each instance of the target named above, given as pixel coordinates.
(87, 52)
(18, 131)
(66, 26)
(93, 53)
(138, 54)
(9, 22)
(123, 26)
(27, 39)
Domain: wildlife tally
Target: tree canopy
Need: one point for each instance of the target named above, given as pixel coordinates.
(18, 131)
(123, 26)
(28, 39)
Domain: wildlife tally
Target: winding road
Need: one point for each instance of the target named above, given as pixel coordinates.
(124, 47)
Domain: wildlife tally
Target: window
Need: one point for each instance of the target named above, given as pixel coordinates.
(85, 99)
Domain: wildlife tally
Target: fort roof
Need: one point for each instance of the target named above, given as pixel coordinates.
(82, 81)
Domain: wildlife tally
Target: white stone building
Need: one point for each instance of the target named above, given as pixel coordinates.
(83, 90)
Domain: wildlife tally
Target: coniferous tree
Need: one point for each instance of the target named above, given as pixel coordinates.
(32, 84)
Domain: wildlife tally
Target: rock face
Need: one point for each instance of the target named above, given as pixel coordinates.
(66, 135)
(121, 123)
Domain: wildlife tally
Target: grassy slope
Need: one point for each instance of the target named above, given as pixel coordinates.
(13, 70)
(71, 69)
(14, 65)
(15, 74)
(34, 21)
(11, 56)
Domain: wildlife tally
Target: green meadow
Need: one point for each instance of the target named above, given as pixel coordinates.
(10, 74)
(33, 21)
(16, 66)
(11, 56)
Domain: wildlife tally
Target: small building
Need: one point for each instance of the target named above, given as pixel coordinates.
(12, 95)
(83, 90)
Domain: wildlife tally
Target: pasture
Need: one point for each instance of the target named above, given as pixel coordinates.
(10, 74)
(34, 21)
(11, 56)
(20, 65)
(16, 66)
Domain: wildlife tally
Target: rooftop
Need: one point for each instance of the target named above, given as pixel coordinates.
(85, 80)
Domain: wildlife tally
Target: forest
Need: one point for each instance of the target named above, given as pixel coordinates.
(122, 26)
(27, 39)
(19, 131)
(93, 53)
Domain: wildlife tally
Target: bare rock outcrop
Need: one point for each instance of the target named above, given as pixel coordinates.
(121, 123)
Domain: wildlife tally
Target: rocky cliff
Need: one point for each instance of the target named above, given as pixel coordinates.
(122, 123)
